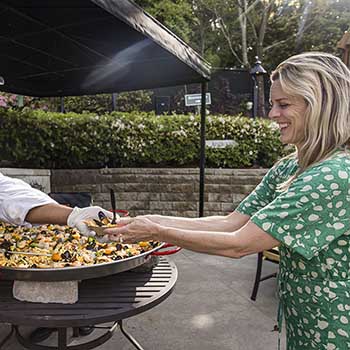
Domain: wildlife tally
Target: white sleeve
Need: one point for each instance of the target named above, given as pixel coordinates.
(17, 198)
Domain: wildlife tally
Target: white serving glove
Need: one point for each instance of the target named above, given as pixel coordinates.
(78, 216)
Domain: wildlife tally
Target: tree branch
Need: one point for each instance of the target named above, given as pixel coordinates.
(279, 43)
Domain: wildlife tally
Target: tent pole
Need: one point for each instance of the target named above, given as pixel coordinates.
(62, 105)
(114, 96)
(202, 150)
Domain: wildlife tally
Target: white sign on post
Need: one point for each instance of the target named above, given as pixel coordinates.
(220, 143)
(196, 99)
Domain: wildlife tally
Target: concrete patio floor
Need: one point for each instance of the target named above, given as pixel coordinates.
(210, 308)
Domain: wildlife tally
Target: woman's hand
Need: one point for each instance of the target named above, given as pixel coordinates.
(132, 230)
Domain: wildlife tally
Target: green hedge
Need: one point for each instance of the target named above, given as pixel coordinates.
(39, 139)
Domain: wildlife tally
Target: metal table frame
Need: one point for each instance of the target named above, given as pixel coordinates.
(101, 300)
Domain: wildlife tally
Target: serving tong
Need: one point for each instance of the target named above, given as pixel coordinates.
(114, 206)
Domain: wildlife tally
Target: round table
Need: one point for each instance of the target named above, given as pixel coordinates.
(101, 300)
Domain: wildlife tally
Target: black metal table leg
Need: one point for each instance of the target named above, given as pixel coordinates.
(62, 338)
(62, 343)
(75, 332)
(131, 339)
(7, 338)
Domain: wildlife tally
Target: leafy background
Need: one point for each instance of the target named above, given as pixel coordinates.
(39, 139)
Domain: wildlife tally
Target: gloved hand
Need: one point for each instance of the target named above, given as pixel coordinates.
(78, 216)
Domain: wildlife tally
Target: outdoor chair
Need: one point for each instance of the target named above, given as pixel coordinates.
(271, 255)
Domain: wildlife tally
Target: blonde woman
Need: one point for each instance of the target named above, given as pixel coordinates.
(302, 205)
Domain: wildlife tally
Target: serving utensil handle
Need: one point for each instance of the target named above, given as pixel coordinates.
(168, 251)
(114, 206)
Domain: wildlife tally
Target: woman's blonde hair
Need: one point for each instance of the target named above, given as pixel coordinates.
(323, 80)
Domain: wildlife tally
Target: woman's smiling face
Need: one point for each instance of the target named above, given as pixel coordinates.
(289, 113)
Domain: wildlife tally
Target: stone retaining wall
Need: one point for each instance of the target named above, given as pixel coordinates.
(38, 178)
(161, 191)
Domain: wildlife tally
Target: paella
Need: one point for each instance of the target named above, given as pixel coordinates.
(55, 246)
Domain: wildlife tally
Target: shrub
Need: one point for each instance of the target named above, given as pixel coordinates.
(13, 101)
(39, 139)
(102, 103)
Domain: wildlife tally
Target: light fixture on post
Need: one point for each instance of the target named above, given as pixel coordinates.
(2, 80)
(257, 72)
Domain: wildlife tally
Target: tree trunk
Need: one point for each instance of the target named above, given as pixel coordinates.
(242, 12)
(261, 112)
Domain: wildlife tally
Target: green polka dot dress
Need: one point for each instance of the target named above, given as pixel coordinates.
(312, 221)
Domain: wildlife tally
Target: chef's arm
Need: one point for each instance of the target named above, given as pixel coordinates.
(49, 213)
(227, 223)
(20, 204)
(17, 198)
(62, 215)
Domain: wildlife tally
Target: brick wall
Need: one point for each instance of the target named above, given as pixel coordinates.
(161, 191)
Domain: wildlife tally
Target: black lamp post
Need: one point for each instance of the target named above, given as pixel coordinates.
(62, 110)
(257, 72)
(114, 101)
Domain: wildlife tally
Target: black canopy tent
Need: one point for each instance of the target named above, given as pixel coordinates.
(85, 47)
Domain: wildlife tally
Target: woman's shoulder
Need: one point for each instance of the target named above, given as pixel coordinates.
(336, 166)
(339, 160)
(286, 164)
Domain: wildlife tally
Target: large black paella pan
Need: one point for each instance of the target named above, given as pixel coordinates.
(66, 271)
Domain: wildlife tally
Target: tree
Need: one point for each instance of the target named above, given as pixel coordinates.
(232, 32)
(174, 14)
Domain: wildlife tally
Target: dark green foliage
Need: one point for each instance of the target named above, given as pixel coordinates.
(102, 103)
(38, 139)
(212, 27)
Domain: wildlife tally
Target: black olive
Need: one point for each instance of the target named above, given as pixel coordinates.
(67, 256)
(119, 246)
(142, 251)
(33, 266)
(7, 255)
(5, 245)
(116, 257)
(91, 246)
